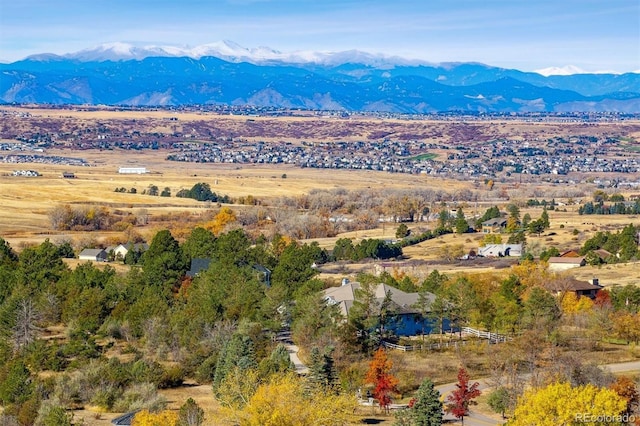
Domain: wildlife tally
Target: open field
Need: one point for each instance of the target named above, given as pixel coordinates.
(26, 202)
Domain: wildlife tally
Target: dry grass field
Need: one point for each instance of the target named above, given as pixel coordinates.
(26, 202)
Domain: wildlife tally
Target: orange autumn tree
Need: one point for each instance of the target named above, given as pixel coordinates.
(627, 390)
(380, 376)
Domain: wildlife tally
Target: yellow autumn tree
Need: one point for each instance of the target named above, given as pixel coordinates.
(626, 326)
(572, 304)
(283, 401)
(531, 274)
(161, 418)
(562, 404)
(224, 217)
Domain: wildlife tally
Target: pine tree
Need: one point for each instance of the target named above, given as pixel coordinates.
(163, 263)
(544, 218)
(190, 414)
(322, 374)
(426, 407)
(238, 352)
(461, 224)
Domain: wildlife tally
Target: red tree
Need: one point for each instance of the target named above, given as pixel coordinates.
(462, 397)
(380, 375)
(603, 299)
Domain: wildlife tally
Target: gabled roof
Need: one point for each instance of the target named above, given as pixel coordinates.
(567, 260)
(92, 252)
(496, 221)
(402, 302)
(570, 253)
(602, 253)
(130, 246)
(571, 284)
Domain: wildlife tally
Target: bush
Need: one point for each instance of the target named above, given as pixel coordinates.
(140, 396)
(172, 377)
(106, 398)
(206, 370)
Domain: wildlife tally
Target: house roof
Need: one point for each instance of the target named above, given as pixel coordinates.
(602, 253)
(499, 248)
(402, 302)
(571, 284)
(198, 265)
(570, 253)
(496, 221)
(567, 260)
(92, 252)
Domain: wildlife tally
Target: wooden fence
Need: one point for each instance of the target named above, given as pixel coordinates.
(491, 337)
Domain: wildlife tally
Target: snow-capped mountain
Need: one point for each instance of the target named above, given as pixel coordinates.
(262, 55)
(227, 73)
(228, 51)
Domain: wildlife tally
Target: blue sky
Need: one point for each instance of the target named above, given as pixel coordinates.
(594, 35)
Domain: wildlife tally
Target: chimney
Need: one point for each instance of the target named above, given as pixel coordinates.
(345, 281)
(595, 281)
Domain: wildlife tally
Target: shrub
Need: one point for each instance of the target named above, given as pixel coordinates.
(139, 396)
(172, 377)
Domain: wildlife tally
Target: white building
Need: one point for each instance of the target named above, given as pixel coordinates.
(500, 250)
(133, 170)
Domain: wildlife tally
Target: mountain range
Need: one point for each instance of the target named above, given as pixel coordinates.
(225, 73)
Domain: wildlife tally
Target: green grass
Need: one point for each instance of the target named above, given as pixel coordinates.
(423, 157)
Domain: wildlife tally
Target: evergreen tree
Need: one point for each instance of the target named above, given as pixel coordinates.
(190, 414)
(344, 250)
(40, 266)
(426, 408)
(7, 255)
(201, 243)
(278, 362)
(164, 263)
(322, 375)
(461, 224)
(402, 231)
(16, 385)
(491, 213)
(238, 352)
(544, 218)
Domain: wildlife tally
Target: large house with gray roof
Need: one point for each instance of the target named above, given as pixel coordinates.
(406, 318)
